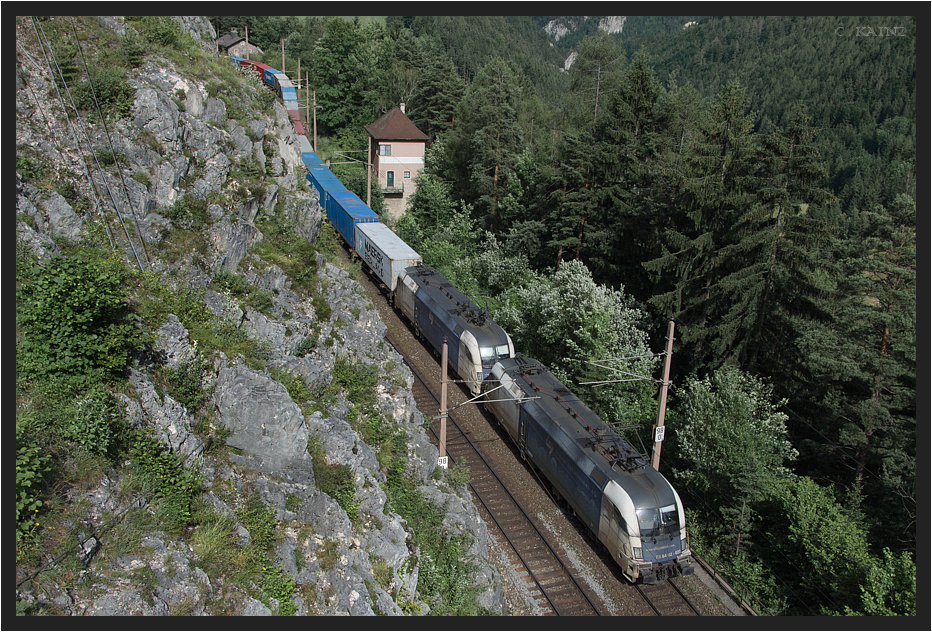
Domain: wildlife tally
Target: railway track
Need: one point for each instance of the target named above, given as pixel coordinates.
(536, 561)
(527, 552)
(667, 600)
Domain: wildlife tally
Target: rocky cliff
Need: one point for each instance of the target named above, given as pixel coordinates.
(186, 169)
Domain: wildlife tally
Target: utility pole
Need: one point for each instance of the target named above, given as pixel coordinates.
(442, 461)
(315, 121)
(369, 177)
(662, 409)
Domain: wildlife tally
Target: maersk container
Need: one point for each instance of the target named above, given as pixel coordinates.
(345, 210)
(386, 254)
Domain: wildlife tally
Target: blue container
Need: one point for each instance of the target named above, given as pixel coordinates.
(325, 182)
(345, 210)
(311, 160)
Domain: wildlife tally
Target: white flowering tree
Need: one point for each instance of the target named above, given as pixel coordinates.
(733, 439)
(567, 321)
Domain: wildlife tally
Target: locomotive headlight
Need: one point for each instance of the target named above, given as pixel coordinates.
(637, 553)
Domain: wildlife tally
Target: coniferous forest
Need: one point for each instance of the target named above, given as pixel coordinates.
(752, 178)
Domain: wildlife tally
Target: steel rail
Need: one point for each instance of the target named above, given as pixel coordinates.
(517, 505)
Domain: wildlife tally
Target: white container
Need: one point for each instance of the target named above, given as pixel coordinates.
(384, 252)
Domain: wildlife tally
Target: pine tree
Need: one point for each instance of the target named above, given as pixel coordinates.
(775, 258)
(594, 77)
(342, 76)
(718, 185)
(436, 94)
(866, 360)
(627, 159)
(487, 140)
(574, 200)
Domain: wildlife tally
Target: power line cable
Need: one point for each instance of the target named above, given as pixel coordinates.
(103, 122)
(65, 110)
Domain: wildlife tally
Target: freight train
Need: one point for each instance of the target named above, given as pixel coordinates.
(627, 504)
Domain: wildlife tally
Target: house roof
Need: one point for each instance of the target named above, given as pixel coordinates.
(228, 40)
(394, 125)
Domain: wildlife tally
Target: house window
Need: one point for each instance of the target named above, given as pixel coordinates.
(385, 150)
(407, 174)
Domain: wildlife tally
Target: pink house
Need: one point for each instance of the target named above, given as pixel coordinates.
(396, 149)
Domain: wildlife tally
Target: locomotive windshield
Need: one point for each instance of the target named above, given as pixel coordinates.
(490, 355)
(658, 521)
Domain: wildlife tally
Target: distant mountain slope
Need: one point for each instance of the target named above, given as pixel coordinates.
(855, 75)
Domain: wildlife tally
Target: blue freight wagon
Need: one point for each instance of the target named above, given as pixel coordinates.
(325, 182)
(344, 211)
(310, 159)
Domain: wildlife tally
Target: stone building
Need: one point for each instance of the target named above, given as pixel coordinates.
(235, 45)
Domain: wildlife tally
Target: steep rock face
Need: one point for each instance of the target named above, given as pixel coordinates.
(262, 418)
(560, 27)
(612, 23)
(178, 143)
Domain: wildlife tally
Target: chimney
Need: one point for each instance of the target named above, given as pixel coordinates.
(402, 106)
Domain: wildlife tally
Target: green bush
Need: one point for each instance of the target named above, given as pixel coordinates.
(235, 284)
(185, 382)
(174, 486)
(160, 30)
(30, 465)
(73, 321)
(260, 521)
(336, 480)
(187, 213)
(133, 51)
(357, 380)
(106, 89)
(97, 422)
(30, 166)
(443, 569)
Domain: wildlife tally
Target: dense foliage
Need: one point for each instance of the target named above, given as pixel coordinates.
(753, 178)
(669, 173)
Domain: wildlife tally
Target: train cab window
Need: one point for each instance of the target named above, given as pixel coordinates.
(488, 356)
(501, 351)
(622, 526)
(658, 521)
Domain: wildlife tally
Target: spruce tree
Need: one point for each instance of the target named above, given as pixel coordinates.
(436, 94)
(719, 184)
